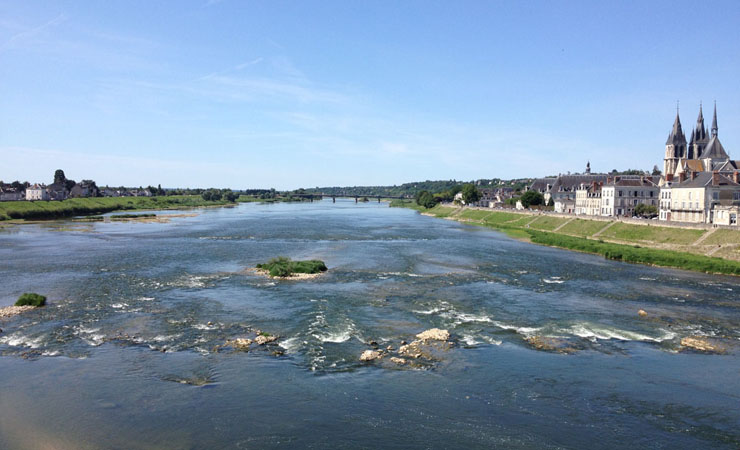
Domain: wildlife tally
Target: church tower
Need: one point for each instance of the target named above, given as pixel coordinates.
(714, 152)
(675, 147)
(699, 138)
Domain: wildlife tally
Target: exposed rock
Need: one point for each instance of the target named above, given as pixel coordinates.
(373, 343)
(642, 313)
(434, 334)
(551, 344)
(264, 339)
(239, 343)
(702, 344)
(10, 311)
(411, 350)
(389, 348)
(398, 360)
(370, 355)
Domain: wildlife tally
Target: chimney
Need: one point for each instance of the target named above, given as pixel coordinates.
(669, 177)
(682, 177)
(736, 177)
(694, 174)
(715, 178)
(608, 180)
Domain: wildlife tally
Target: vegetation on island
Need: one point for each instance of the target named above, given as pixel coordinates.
(284, 267)
(31, 299)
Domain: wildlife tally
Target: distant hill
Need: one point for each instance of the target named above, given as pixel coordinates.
(411, 189)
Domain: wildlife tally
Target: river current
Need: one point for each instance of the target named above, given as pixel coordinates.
(132, 349)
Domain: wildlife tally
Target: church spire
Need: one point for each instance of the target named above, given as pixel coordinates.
(676, 132)
(714, 120)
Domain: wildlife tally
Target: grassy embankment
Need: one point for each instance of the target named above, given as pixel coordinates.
(653, 245)
(42, 210)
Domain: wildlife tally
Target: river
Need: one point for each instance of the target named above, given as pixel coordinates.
(129, 352)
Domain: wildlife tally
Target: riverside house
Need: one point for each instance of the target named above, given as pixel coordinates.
(700, 198)
(621, 195)
(9, 194)
(37, 192)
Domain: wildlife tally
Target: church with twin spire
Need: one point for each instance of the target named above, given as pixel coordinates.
(703, 153)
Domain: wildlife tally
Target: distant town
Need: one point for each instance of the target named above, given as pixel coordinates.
(699, 183)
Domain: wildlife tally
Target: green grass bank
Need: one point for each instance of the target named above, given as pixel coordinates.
(44, 210)
(578, 235)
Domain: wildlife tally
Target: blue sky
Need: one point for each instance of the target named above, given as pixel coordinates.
(279, 94)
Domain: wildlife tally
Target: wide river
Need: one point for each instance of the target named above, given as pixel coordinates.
(130, 351)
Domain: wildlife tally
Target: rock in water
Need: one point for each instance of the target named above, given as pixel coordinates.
(262, 339)
(370, 355)
(239, 343)
(642, 313)
(434, 334)
(701, 344)
(398, 360)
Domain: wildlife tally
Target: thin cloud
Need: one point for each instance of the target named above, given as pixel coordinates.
(28, 34)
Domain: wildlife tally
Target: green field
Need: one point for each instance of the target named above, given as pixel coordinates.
(581, 227)
(547, 223)
(41, 210)
(723, 237)
(652, 234)
(474, 214)
(500, 217)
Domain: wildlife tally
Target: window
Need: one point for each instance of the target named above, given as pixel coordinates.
(733, 219)
(620, 193)
(715, 195)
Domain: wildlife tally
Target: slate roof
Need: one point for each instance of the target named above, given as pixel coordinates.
(714, 150)
(704, 179)
(540, 184)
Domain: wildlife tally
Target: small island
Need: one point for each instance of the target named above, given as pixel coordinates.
(25, 302)
(283, 267)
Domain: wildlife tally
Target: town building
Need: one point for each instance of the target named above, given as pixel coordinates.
(37, 192)
(588, 199)
(699, 198)
(700, 182)
(9, 193)
(621, 195)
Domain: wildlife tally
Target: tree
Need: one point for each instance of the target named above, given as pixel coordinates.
(531, 198)
(656, 171)
(470, 193)
(644, 210)
(59, 177)
(426, 199)
(69, 184)
(551, 202)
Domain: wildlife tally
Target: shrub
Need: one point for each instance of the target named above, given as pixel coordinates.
(284, 267)
(31, 299)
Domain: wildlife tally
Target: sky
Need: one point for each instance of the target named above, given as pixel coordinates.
(289, 94)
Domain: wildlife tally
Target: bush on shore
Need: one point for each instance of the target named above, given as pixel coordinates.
(285, 267)
(31, 299)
